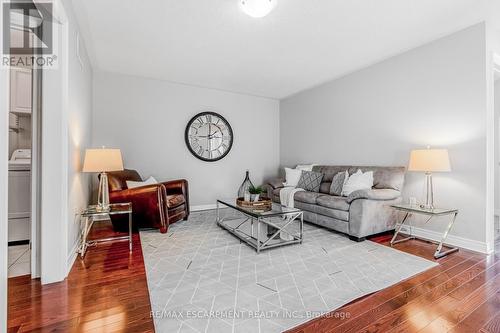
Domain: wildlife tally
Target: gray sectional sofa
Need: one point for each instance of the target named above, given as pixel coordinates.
(362, 213)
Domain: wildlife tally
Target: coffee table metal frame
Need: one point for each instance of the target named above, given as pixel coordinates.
(258, 219)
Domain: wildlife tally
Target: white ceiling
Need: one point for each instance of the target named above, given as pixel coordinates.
(302, 43)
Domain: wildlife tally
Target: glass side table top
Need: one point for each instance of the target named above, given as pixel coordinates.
(120, 208)
(426, 211)
(276, 209)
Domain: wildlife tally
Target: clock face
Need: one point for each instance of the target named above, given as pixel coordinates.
(209, 136)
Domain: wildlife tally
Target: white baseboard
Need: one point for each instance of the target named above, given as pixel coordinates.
(73, 254)
(203, 207)
(464, 243)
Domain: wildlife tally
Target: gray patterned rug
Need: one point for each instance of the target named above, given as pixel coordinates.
(202, 279)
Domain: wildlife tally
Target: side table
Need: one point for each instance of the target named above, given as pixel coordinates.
(89, 215)
(409, 210)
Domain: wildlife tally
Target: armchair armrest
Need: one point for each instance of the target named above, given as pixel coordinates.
(179, 186)
(147, 203)
(374, 194)
(276, 183)
(176, 186)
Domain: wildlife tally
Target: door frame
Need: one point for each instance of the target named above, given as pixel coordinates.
(4, 190)
(4, 167)
(493, 65)
(36, 150)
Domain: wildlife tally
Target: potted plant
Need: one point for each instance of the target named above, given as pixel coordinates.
(255, 193)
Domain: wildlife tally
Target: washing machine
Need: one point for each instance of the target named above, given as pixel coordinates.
(20, 196)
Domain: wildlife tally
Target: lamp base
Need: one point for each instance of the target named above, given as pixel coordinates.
(429, 199)
(103, 196)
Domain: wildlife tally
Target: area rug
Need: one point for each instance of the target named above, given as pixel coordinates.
(203, 279)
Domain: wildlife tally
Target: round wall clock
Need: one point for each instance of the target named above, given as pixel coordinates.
(209, 136)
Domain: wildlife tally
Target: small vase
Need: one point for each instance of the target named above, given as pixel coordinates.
(256, 197)
(245, 186)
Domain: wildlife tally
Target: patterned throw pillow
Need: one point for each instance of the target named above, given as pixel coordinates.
(310, 181)
(338, 182)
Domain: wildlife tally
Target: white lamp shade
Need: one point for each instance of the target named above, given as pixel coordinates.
(258, 8)
(429, 160)
(102, 160)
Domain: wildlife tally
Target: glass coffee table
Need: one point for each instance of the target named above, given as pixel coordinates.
(261, 229)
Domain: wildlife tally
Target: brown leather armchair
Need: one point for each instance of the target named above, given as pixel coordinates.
(154, 206)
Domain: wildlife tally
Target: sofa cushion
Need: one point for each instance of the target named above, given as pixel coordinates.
(325, 187)
(339, 215)
(383, 177)
(176, 214)
(335, 213)
(175, 200)
(307, 197)
(334, 202)
(390, 177)
(310, 181)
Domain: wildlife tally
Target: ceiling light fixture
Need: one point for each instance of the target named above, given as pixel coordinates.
(258, 8)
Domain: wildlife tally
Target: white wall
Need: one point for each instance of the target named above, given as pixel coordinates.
(80, 134)
(146, 119)
(66, 131)
(432, 95)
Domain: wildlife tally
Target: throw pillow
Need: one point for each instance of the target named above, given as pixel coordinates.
(358, 181)
(149, 181)
(310, 181)
(305, 167)
(292, 177)
(338, 182)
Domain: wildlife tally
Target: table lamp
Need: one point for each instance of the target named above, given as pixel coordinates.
(103, 160)
(429, 161)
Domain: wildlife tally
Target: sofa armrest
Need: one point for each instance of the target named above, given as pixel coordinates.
(370, 217)
(276, 183)
(374, 194)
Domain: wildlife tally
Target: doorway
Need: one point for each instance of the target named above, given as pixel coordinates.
(23, 153)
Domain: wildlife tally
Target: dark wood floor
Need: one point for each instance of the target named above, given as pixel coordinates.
(107, 292)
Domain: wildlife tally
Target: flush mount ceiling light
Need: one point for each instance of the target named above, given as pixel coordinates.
(257, 8)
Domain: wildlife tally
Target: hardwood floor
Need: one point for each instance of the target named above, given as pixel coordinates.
(107, 292)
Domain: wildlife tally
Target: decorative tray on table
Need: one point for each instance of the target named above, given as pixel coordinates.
(262, 204)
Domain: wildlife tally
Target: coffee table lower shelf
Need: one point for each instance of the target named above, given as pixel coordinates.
(250, 228)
